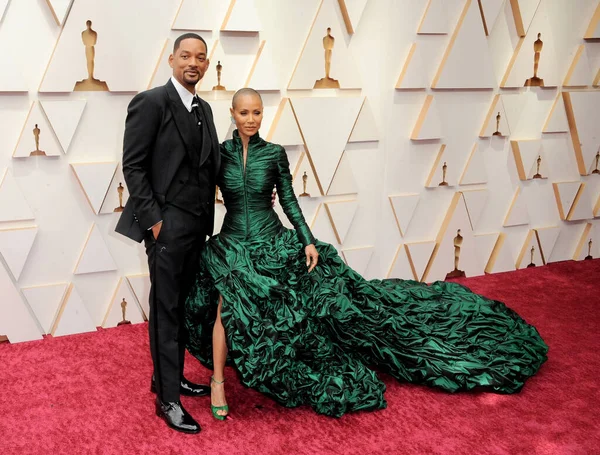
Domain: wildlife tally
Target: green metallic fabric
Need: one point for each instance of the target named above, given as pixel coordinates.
(318, 339)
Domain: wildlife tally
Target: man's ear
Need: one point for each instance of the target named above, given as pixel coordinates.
(171, 58)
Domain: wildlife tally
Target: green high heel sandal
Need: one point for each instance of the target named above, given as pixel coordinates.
(216, 409)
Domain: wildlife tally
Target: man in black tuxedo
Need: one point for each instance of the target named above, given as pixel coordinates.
(170, 163)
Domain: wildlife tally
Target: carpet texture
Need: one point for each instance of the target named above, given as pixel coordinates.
(90, 394)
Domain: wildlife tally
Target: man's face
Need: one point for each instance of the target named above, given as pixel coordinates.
(189, 62)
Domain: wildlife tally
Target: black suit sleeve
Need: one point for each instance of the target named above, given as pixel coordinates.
(141, 127)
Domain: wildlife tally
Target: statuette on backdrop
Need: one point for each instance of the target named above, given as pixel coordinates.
(217, 200)
(444, 169)
(535, 81)
(458, 240)
(120, 190)
(304, 182)
(124, 310)
(531, 264)
(89, 38)
(537, 174)
(219, 70)
(327, 81)
(497, 132)
(596, 170)
(36, 136)
(589, 255)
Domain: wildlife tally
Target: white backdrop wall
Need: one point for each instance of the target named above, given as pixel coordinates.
(421, 85)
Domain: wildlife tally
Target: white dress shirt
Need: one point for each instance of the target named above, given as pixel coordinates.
(187, 98)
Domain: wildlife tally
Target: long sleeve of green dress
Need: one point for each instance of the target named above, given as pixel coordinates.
(288, 200)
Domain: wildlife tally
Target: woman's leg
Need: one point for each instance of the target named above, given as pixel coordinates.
(217, 386)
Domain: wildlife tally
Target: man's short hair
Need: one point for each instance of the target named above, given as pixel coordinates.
(188, 36)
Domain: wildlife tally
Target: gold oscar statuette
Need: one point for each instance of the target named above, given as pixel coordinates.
(91, 84)
(219, 69)
(444, 169)
(327, 81)
(537, 174)
(120, 189)
(596, 170)
(589, 255)
(497, 132)
(535, 81)
(124, 310)
(531, 264)
(304, 180)
(36, 136)
(456, 273)
(217, 200)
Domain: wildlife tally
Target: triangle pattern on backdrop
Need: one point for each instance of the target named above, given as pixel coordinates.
(401, 267)
(94, 179)
(241, 17)
(284, 129)
(123, 306)
(517, 213)
(37, 136)
(341, 215)
(311, 66)
(365, 129)
(263, 75)
(325, 151)
(412, 76)
(13, 205)
(403, 207)
(428, 125)
(141, 287)
(435, 19)
(343, 181)
(358, 258)
(467, 60)
(490, 10)
(60, 9)
(16, 321)
(45, 302)
(200, 15)
(64, 117)
(496, 121)
(352, 11)
(15, 245)
(73, 317)
(580, 71)
(475, 171)
(95, 256)
(557, 118)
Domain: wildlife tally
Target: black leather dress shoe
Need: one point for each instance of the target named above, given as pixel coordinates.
(187, 388)
(177, 417)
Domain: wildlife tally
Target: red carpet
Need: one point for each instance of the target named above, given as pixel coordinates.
(89, 394)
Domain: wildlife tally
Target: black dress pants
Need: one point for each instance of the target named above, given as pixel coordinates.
(173, 261)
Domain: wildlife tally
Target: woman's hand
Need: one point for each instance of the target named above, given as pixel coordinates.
(312, 257)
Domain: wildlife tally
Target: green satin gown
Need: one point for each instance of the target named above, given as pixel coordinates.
(318, 338)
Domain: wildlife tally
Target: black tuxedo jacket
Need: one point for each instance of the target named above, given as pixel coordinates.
(157, 138)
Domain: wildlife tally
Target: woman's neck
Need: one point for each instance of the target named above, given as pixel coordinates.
(245, 140)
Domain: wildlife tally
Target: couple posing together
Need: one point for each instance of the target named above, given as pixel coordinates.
(277, 305)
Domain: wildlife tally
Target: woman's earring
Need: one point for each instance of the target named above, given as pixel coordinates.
(232, 120)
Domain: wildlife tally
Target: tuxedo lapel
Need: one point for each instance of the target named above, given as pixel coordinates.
(181, 116)
(210, 139)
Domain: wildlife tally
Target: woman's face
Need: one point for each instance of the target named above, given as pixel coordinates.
(248, 114)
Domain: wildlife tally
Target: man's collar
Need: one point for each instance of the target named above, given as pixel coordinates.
(186, 97)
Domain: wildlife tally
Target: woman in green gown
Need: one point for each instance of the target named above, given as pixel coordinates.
(313, 333)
